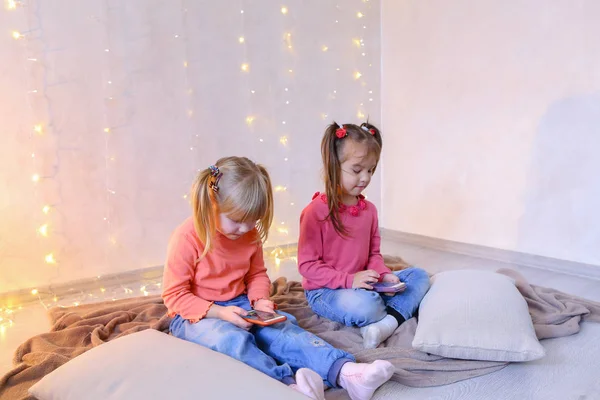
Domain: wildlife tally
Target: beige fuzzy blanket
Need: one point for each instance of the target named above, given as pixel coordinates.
(78, 329)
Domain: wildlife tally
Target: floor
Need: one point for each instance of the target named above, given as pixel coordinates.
(569, 371)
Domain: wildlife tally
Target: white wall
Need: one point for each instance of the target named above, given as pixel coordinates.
(491, 111)
(115, 197)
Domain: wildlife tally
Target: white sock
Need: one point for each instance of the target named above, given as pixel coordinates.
(361, 380)
(309, 383)
(379, 331)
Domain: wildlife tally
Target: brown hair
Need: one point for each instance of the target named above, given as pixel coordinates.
(244, 194)
(332, 152)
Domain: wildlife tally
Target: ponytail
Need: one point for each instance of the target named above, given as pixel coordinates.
(204, 210)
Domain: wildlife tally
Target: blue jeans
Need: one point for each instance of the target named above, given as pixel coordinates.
(277, 350)
(360, 307)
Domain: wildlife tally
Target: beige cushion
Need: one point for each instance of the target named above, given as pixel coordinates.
(476, 315)
(153, 365)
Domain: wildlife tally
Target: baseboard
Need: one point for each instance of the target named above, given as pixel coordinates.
(490, 253)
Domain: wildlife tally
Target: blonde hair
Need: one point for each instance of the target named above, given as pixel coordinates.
(244, 194)
(332, 149)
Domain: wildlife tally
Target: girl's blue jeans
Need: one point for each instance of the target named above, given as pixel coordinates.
(360, 307)
(277, 350)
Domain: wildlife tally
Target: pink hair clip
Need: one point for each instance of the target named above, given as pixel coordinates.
(341, 132)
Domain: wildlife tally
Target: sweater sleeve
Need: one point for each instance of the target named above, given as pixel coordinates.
(310, 255)
(257, 281)
(178, 276)
(375, 258)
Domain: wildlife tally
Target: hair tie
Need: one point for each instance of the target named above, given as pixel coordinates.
(341, 132)
(365, 128)
(216, 176)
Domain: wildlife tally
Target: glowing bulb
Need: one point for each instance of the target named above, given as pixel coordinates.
(282, 230)
(323, 116)
(11, 4)
(283, 140)
(280, 188)
(291, 204)
(102, 290)
(241, 39)
(284, 10)
(356, 42)
(38, 128)
(185, 64)
(245, 67)
(55, 299)
(357, 75)
(359, 14)
(50, 259)
(43, 230)
(107, 130)
(46, 209)
(324, 48)
(35, 178)
(290, 71)
(190, 113)
(250, 119)
(34, 292)
(16, 35)
(360, 115)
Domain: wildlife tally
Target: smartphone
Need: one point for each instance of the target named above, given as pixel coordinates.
(264, 318)
(389, 287)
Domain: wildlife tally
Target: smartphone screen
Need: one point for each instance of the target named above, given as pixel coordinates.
(261, 315)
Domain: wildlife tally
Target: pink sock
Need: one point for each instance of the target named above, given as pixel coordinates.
(309, 383)
(361, 380)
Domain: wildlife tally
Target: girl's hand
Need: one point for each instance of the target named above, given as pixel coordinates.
(231, 314)
(264, 305)
(363, 279)
(391, 278)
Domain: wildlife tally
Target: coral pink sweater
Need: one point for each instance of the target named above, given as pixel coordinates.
(231, 268)
(326, 259)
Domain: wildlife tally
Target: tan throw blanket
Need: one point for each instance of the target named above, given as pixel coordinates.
(78, 329)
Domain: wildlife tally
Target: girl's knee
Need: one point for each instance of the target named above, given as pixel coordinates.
(362, 308)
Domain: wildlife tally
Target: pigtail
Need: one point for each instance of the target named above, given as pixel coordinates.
(332, 166)
(264, 223)
(204, 210)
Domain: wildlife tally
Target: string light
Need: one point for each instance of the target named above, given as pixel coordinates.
(35, 178)
(245, 67)
(241, 39)
(284, 10)
(34, 292)
(17, 35)
(283, 140)
(50, 259)
(250, 119)
(43, 230)
(11, 4)
(280, 188)
(324, 48)
(357, 75)
(46, 209)
(359, 14)
(38, 129)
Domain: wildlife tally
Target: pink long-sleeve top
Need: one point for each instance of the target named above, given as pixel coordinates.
(231, 268)
(327, 259)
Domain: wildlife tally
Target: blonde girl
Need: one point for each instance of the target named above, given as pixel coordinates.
(215, 274)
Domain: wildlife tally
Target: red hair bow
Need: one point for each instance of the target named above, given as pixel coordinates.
(372, 131)
(341, 132)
